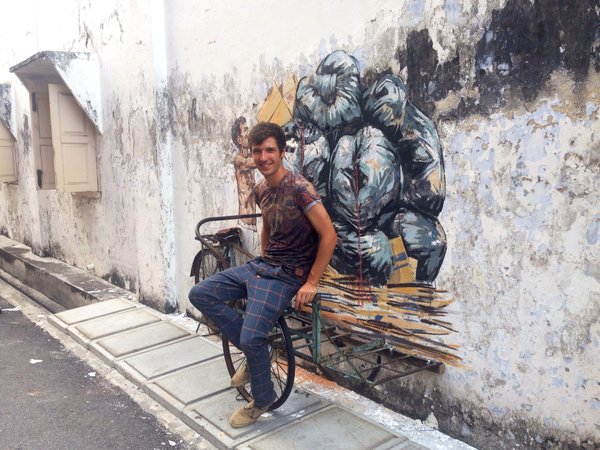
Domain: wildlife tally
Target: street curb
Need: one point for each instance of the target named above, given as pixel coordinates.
(66, 285)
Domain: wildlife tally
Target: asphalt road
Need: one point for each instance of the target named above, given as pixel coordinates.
(50, 399)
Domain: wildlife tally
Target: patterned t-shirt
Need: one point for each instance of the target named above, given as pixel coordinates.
(293, 242)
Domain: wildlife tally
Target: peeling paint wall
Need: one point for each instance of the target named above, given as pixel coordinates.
(101, 234)
(512, 87)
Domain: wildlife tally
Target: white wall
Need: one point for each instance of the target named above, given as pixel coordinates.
(521, 212)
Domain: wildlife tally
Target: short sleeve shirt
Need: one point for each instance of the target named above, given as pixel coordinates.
(293, 242)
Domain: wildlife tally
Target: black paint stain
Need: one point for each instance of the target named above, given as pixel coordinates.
(122, 281)
(157, 303)
(193, 118)
(428, 80)
(525, 42)
(26, 134)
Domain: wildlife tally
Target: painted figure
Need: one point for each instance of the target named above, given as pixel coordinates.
(244, 169)
(376, 159)
(297, 241)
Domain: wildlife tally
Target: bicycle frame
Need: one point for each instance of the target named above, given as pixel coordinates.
(312, 330)
(212, 248)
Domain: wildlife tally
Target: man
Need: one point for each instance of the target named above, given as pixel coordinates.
(244, 169)
(297, 240)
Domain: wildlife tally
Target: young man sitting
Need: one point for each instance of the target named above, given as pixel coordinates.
(297, 241)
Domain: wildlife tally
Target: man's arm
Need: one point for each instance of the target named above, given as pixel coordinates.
(320, 220)
(244, 164)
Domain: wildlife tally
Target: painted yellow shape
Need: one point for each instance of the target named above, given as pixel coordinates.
(270, 105)
(434, 179)
(288, 88)
(282, 114)
(402, 270)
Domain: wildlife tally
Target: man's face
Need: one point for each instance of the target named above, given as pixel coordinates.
(267, 157)
(242, 139)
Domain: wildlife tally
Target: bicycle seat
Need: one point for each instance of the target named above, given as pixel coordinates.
(228, 235)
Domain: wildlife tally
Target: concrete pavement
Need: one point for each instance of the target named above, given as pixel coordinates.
(185, 372)
(51, 399)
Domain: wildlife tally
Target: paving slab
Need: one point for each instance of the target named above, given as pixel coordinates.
(331, 428)
(87, 331)
(407, 445)
(64, 319)
(210, 417)
(184, 387)
(133, 341)
(160, 361)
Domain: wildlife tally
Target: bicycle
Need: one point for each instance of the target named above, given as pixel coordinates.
(361, 353)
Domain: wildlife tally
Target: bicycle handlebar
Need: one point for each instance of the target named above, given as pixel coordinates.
(218, 218)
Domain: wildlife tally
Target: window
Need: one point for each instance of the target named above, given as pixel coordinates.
(42, 140)
(66, 116)
(8, 162)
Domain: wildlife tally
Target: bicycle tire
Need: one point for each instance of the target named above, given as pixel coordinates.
(282, 372)
(209, 265)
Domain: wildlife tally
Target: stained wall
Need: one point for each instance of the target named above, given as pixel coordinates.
(512, 88)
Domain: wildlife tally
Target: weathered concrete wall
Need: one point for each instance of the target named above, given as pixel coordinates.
(512, 87)
(119, 234)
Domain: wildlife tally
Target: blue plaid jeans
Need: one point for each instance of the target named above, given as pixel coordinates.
(269, 290)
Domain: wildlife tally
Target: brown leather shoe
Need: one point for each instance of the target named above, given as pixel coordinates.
(242, 375)
(246, 415)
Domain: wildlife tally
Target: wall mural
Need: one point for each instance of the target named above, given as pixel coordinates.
(377, 162)
(244, 169)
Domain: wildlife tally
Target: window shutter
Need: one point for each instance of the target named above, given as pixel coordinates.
(8, 162)
(74, 142)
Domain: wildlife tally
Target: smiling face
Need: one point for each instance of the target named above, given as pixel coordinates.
(269, 160)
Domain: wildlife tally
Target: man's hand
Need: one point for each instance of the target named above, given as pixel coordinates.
(305, 294)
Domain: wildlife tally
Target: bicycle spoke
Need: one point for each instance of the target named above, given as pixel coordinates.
(282, 367)
(278, 378)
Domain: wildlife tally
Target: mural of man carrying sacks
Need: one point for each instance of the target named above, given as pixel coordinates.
(377, 162)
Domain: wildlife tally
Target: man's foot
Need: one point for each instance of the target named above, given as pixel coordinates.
(242, 375)
(246, 415)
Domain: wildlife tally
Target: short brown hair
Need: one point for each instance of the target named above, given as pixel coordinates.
(265, 130)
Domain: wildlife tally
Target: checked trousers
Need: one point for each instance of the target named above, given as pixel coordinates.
(269, 290)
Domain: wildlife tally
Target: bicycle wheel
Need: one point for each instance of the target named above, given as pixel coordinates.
(209, 265)
(283, 367)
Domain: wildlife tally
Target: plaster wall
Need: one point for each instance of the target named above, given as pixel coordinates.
(521, 210)
(520, 146)
(100, 232)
